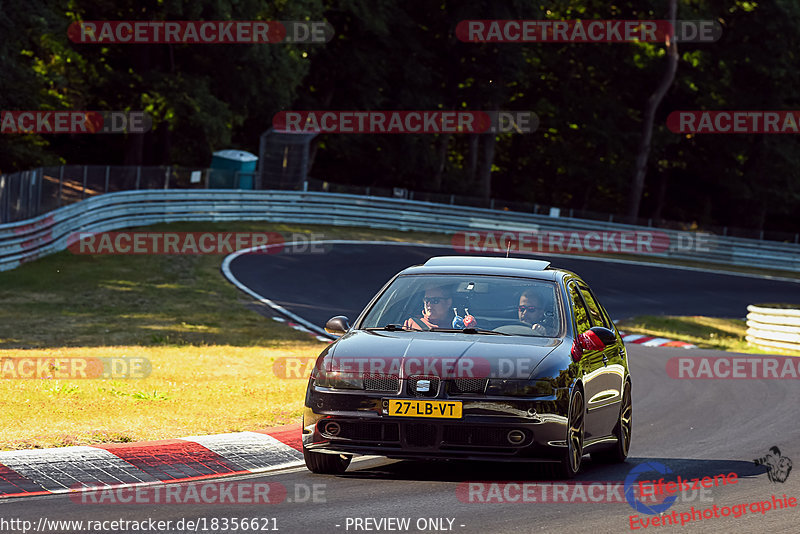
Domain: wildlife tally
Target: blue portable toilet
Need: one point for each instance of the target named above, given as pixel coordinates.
(224, 166)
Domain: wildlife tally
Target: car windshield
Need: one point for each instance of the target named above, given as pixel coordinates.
(476, 304)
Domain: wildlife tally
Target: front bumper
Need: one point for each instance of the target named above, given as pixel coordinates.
(480, 434)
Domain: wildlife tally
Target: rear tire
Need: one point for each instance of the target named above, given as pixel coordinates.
(622, 431)
(570, 463)
(326, 464)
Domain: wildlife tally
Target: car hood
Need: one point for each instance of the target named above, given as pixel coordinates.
(443, 354)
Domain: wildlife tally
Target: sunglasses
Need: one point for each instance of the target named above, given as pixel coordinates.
(523, 309)
(434, 300)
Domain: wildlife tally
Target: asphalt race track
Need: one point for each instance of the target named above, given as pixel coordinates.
(695, 427)
(344, 279)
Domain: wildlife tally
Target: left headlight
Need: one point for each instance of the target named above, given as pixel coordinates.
(506, 387)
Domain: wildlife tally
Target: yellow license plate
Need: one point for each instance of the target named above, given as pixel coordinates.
(425, 408)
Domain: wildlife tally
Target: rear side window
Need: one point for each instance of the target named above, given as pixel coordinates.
(595, 314)
(582, 321)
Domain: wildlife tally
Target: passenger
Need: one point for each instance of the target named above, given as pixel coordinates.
(437, 310)
(532, 310)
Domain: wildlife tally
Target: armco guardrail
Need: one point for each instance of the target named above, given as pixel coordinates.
(27, 240)
(772, 327)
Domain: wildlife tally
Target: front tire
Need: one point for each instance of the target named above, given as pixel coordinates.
(326, 464)
(570, 463)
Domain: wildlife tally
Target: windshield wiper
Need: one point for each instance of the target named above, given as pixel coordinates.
(390, 327)
(470, 330)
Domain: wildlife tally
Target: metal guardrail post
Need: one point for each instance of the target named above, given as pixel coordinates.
(138, 176)
(166, 176)
(85, 176)
(60, 184)
(39, 196)
(2, 198)
(28, 213)
(108, 172)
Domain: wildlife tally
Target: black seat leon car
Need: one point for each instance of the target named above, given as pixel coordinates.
(473, 358)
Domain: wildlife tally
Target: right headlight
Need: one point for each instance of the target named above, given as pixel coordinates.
(338, 379)
(507, 387)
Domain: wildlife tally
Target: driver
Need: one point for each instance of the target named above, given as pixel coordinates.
(437, 310)
(532, 312)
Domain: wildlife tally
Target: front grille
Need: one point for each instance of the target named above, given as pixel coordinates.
(433, 388)
(361, 431)
(376, 382)
(420, 435)
(480, 436)
(468, 385)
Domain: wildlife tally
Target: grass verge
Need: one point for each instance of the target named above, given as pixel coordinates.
(705, 332)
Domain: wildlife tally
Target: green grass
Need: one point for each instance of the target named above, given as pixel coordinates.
(70, 300)
(705, 332)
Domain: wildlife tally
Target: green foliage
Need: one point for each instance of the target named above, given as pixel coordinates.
(387, 54)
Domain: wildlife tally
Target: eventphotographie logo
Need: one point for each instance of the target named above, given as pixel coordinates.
(778, 467)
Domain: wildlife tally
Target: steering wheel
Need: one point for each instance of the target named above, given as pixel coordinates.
(517, 329)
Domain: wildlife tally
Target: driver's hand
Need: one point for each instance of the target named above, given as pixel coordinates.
(539, 330)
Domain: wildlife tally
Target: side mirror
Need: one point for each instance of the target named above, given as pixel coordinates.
(337, 325)
(596, 338)
(604, 335)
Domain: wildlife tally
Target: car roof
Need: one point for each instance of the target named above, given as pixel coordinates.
(488, 265)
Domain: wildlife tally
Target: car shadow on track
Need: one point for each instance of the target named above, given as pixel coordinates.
(460, 471)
